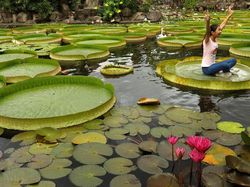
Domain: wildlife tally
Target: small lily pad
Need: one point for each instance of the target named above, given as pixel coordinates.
(127, 180)
(212, 134)
(158, 132)
(43, 184)
(212, 179)
(179, 115)
(19, 176)
(29, 136)
(63, 150)
(148, 146)
(40, 161)
(40, 148)
(57, 169)
(137, 128)
(87, 175)
(21, 155)
(230, 127)
(94, 124)
(89, 137)
(152, 164)
(228, 139)
(115, 121)
(163, 120)
(217, 153)
(238, 163)
(238, 178)
(50, 134)
(119, 166)
(163, 180)
(117, 133)
(128, 150)
(92, 153)
(6, 164)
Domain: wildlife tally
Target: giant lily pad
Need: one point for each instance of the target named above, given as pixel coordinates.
(80, 52)
(152, 164)
(242, 50)
(18, 70)
(188, 73)
(116, 70)
(57, 169)
(216, 154)
(127, 180)
(230, 126)
(19, 176)
(39, 103)
(128, 150)
(16, 54)
(39, 38)
(87, 176)
(89, 137)
(119, 166)
(92, 153)
(163, 180)
(179, 42)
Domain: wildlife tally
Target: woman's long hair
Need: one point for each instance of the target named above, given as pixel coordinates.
(212, 28)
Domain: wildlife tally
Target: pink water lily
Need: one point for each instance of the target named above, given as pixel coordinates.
(172, 140)
(179, 152)
(196, 155)
(202, 144)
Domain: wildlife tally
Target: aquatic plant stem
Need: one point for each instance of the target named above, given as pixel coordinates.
(180, 177)
(191, 171)
(199, 173)
(173, 158)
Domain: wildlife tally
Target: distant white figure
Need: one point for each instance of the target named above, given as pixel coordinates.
(161, 35)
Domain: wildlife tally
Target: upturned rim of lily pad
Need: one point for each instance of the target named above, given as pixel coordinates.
(116, 70)
(236, 49)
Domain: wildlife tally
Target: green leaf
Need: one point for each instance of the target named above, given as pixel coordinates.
(245, 137)
(230, 127)
(127, 180)
(128, 150)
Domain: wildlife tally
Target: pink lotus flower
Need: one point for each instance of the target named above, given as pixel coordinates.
(196, 156)
(172, 140)
(179, 152)
(202, 144)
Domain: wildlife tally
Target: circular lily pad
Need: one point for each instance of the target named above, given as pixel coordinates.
(162, 180)
(128, 150)
(230, 126)
(21, 155)
(148, 146)
(43, 184)
(188, 73)
(63, 150)
(57, 169)
(89, 137)
(19, 176)
(41, 148)
(17, 54)
(39, 38)
(242, 50)
(29, 136)
(87, 175)
(152, 164)
(40, 161)
(50, 134)
(119, 166)
(127, 180)
(9, 163)
(228, 139)
(19, 70)
(179, 115)
(92, 153)
(117, 133)
(158, 132)
(115, 121)
(116, 70)
(179, 42)
(137, 128)
(38, 102)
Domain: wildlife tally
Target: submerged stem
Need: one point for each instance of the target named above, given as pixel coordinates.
(173, 158)
(191, 171)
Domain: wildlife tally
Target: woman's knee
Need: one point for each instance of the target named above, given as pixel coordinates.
(234, 61)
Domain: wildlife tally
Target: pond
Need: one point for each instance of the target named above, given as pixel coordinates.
(131, 140)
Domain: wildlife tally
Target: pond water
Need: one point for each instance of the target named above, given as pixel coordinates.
(145, 83)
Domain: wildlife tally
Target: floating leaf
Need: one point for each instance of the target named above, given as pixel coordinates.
(164, 149)
(216, 154)
(63, 150)
(87, 175)
(21, 155)
(8, 163)
(9, 150)
(40, 148)
(119, 166)
(212, 179)
(117, 133)
(208, 124)
(40, 161)
(238, 163)
(243, 151)
(245, 137)
(89, 137)
(57, 169)
(128, 150)
(238, 178)
(212, 134)
(126, 180)
(162, 180)
(92, 153)
(148, 146)
(94, 124)
(152, 164)
(218, 170)
(158, 132)
(43, 184)
(137, 128)
(230, 127)
(180, 130)
(115, 121)
(163, 120)
(179, 115)
(228, 139)
(29, 136)
(50, 134)
(19, 176)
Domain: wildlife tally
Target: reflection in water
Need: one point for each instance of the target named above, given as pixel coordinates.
(206, 104)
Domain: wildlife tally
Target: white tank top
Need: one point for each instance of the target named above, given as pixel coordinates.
(209, 53)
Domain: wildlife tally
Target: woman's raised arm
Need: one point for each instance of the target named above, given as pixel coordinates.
(229, 14)
(207, 20)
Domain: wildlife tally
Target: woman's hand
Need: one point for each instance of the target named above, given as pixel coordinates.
(229, 10)
(207, 16)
